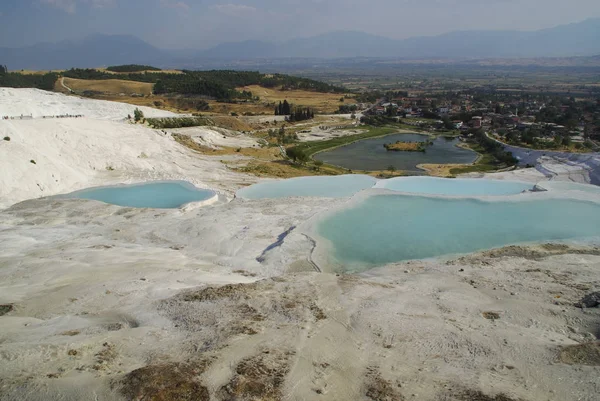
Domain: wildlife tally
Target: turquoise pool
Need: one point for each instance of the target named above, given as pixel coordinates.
(159, 195)
(339, 186)
(455, 186)
(383, 229)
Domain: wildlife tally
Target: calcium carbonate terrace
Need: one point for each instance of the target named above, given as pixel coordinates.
(431, 217)
(404, 218)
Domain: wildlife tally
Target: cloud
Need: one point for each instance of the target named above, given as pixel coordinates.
(234, 10)
(65, 5)
(70, 6)
(175, 4)
(101, 3)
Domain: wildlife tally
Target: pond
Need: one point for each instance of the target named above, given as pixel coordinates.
(370, 155)
(390, 228)
(159, 194)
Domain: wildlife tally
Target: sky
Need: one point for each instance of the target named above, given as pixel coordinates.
(199, 24)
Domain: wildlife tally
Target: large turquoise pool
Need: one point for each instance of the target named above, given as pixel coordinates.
(456, 186)
(339, 186)
(160, 194)
(383, 229)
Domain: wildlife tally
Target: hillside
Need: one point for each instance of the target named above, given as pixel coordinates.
(109, 86)
(92, 51)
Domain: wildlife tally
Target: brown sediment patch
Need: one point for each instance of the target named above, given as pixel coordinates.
(535, 252)
(317, 312)
(581, 354)
(260, 377)
(6, 308)
(165, 382)
(70, 333)
(105, 357)
(237, 291)
(476, 395)
(491, 315)
(379, 389)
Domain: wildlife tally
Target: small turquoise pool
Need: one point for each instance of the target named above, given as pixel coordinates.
(454, 186)
(339, 186)
(390, 228)
(159, 195)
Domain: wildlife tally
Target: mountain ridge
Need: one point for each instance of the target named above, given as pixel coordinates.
(569, 40)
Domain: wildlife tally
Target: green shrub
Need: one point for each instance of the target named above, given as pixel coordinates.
(32, 161)
(7, 138)
(177, 122)
(138, 115)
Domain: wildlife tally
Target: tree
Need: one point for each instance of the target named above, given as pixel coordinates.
(449, 125)
(138, 115)
(318, 164)
(391, 169)
(303, 157)
(511, 136)
(297, 155)
(558, 140)
(284, 108)
(292, 153)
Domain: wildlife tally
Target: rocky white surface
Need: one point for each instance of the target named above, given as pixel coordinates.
(38, 103)
(110, 303)
(217, 138)
(46, 157)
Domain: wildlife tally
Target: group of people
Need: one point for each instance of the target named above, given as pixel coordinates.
(65, 116)
(30, 117)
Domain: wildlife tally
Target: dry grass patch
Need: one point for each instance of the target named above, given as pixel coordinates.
(231, 123)
(169, 381)
(109, 86)
(281, 169)
(140, 72)
(36, 72)
(441, 170)
(405, 146)
(321, 102)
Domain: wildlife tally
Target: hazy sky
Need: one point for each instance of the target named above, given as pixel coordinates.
(202, 23)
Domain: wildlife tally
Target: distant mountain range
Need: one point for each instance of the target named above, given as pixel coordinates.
(578, 39)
